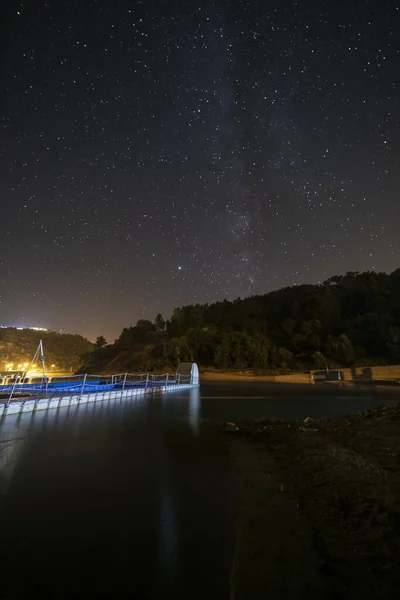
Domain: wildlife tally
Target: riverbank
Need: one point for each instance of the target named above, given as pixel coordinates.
(319, 508)
(212, 375)
(370, 376)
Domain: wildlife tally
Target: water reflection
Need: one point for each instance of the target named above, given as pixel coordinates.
(194, 409)
(13, 440)
(133, 497)
(167, 527)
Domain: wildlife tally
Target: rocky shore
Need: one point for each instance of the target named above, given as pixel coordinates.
(319, 507)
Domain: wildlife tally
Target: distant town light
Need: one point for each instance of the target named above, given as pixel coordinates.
(21, 328)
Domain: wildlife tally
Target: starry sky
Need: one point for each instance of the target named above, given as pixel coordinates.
(156, 153)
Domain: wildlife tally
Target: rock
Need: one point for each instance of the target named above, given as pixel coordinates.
(231, 427)
(308, 420)
(308, 429)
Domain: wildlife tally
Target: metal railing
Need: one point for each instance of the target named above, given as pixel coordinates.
(109, 386)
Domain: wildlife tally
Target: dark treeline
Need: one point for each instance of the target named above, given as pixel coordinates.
(348, 320)
(64, 350)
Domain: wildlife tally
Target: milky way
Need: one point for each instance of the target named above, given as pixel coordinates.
(160, 153)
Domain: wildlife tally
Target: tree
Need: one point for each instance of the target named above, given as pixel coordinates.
(340, 349)
(319, 360)
(394, 344)
(100, 342)
(238, 350)
(202, 343)
(159, 322)
(145, 325)
(281, 357)
(348, 319)
(173, 352)
(126, 339)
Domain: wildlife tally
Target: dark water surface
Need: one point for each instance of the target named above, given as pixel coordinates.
(136, 498)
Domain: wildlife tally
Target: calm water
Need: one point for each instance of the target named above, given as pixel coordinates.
(136, 498)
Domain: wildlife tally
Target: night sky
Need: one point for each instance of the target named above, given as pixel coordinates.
(161, 153)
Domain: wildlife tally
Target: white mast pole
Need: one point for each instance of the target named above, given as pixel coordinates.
(42, 358)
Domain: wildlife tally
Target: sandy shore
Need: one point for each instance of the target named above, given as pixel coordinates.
(227, 376)
(318, 513)
(294, 378)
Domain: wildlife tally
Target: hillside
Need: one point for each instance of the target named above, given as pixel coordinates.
(348, 320)
(64, 350)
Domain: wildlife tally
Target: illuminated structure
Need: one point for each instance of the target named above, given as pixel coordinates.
(22, 328)
(27, 394)
(188, 371)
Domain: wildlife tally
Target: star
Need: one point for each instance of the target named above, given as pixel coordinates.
(247, 152)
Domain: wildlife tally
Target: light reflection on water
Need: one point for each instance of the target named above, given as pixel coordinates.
(118, 493)
(135, 496)
(194, 409)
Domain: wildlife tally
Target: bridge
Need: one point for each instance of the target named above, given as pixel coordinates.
(23, 394)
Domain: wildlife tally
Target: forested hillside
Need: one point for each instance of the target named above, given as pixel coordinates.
(64, 350)
(348, 320)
